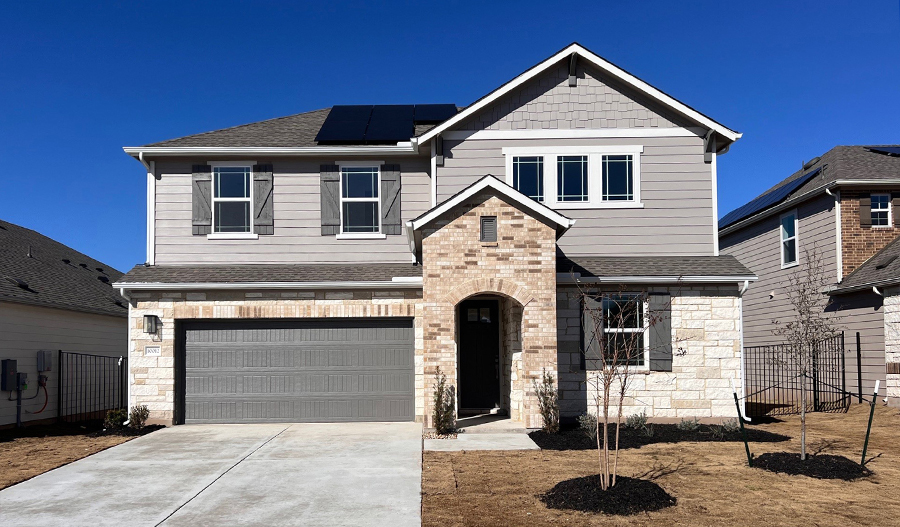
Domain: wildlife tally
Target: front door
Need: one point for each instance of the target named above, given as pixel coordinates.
(479, 355)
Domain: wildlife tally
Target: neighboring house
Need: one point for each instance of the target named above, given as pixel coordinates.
(845, 205)
(324, 266)
(53, 298)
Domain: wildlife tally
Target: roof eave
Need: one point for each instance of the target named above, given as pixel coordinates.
(395, 283)
(569, 279)
(402, 148)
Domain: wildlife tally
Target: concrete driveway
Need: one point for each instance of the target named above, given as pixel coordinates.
(272, 474)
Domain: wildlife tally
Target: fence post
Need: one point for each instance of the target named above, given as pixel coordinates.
(859, 367)
(844, 395)
(59, 385)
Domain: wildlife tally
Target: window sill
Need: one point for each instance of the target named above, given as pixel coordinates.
(788, 266)
(232, 236)
(596, 206)
(361, 236)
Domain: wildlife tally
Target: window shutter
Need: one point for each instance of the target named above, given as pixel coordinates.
(660, 315)
(201, 199)
(865, 211)
(895, 208)
(588, 326)
(330, 193)
(263, 207)
(390, 200)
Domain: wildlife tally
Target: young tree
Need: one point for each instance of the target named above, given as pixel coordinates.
(615, 326)
(809, 327)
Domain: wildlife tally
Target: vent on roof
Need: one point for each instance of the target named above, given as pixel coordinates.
(83, 266)
(103, 279)
(66, 261)
(885, 261)
(17, 282)
(810, 163)
(100, 269)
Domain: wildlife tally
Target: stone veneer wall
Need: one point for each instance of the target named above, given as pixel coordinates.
(706, 342)
(521, 266)
(860, 243)
(152, 379)
(892, 345)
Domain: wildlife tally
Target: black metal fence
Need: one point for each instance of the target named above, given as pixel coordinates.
(90, 385)
(774, 380)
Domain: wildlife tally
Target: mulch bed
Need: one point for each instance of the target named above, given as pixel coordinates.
(628, 496)
(126, 431)
(821, 466)
(435, 435)
(575, 439)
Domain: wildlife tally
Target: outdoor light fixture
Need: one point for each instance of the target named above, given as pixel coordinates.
(151, 323)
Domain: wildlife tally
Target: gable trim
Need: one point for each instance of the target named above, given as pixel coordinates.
(574, 133)
(598, 62)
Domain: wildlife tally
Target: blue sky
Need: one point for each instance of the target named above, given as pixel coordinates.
(80, 82)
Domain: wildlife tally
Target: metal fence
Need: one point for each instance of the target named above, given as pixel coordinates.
(774, 381)
(90, 385)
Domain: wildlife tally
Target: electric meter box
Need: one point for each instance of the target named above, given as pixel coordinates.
(8, 369)
(44, 360)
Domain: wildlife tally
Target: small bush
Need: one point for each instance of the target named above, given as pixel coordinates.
(636, 421)
(115, 419)
(138, 417)
(648, 431)
(717, 432)
(548, 401)
(689, 425)
(588, 424)
(444, 411)
(731, 425)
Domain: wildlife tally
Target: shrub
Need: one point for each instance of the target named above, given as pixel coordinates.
(115, 419)
(731, 425)
(138, 416)
(637, 421)
(444, 411)
(548, 401)
(588, 424)
(648, 431)
(717, 432)
(689, 425)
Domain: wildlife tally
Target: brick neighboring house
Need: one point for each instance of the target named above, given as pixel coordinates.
(323, 266)
(845, 204)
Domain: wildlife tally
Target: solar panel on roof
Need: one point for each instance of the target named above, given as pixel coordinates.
(890, 150)
(390, 123)
(766, 200)
(345, 124)
(434, 113)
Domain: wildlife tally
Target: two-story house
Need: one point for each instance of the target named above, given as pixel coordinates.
(325, 265)
(842, 207)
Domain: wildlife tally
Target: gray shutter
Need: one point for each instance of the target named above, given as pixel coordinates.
(390, 200)
(660, 314)
(895, 208)
(201, 199)
(263, 207)
(329, 191)
(588, 343)
(865, 211)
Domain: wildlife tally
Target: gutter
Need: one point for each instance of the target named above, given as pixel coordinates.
(871, 286)
(409, 147)
(413, 282)
(566, 278)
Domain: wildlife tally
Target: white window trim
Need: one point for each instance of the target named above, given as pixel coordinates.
(796, 238)
(341, 235)
(890, 211)
(595, 173)
(645, 367)
(212, 201)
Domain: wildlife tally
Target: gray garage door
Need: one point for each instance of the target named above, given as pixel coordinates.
(299, 371)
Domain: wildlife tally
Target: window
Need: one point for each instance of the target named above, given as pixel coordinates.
(881, 210)
(360, 207)
(618, 178)
(624, 328)
(528, 176)
(789, 239)
(231, 199)
(489, 228)
(572, 178)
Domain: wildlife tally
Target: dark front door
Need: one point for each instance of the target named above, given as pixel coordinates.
(479, 354)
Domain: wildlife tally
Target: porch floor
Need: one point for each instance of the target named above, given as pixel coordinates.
(485, 432)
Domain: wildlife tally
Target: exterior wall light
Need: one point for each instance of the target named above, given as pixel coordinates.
(151, 324)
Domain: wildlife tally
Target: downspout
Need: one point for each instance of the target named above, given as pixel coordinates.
(743, 290)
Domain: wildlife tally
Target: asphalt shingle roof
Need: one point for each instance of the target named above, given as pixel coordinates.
(235, 274)
(662, 266)
(54, 275)
(881, 269)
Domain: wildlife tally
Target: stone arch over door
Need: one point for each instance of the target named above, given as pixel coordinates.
(500, 286)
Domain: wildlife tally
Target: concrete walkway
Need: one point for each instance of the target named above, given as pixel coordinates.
(485, 432)
(273, 474)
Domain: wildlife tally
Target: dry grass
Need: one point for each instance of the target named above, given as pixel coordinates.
(712, 482)
(34, 450)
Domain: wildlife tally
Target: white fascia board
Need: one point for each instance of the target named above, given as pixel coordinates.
(394, 283)
(569, 279)
(599, 62)
(501, 188)
(574, 133)
(399, 149)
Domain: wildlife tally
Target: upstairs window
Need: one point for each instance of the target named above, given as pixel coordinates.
(789, 239)
(231, 199)
(618, 178)
(881, 210)
(360, 208)
(572, 178)
(528, 176)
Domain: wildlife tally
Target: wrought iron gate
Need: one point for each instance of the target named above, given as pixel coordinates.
(90, 385)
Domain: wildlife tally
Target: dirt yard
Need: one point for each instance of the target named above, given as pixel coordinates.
(33, 450)
(711, 481)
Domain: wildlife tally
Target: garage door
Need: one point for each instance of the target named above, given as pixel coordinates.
(299, 371)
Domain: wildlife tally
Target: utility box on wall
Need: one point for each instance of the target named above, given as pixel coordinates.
(44, 360)
(8, 371)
